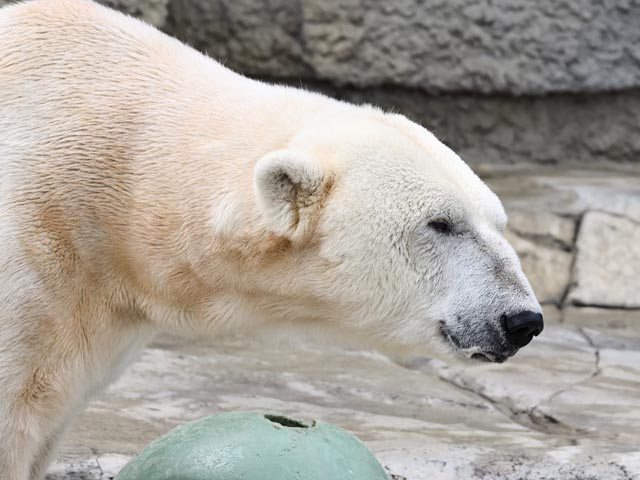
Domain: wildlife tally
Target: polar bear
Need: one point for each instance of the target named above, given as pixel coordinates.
(145, 187)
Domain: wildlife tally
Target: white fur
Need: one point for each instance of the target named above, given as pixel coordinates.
(226, 214)
(144, 186)
(286, 183)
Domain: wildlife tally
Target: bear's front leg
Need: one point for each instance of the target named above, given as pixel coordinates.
(32, 412)
(48, 371)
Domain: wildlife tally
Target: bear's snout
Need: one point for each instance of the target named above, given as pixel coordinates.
(520, 328)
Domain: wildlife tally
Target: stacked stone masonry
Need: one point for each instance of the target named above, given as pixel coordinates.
(511, 46)
(507, 82)
(577, 235)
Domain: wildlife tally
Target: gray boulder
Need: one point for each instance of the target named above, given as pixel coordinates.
(607, 262)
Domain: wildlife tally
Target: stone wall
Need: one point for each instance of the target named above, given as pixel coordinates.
(510, 82)
(506, 46)
(577, 234)
(557, 129)
(506, 82)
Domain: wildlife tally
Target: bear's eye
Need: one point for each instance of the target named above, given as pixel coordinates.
(441, 226)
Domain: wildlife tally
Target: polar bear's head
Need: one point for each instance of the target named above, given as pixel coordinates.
(394, 239)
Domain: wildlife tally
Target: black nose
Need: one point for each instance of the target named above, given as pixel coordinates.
(522, 327)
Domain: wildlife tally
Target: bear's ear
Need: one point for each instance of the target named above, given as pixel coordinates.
(290, 187)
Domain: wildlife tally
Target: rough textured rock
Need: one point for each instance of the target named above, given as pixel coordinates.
(254, 37)
(101, 466)
(543, 227)
(514, 46)
(558, 129)
(566, 192)
(607, 262)
(607, 318)
(151, 11)
(399, 54)
(544, 243)
(544, 208)
(547, 267)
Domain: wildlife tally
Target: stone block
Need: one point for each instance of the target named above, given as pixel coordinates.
(544, 227)
(547, 268)
(607, 268)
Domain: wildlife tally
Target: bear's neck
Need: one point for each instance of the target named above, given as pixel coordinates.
(196, 227)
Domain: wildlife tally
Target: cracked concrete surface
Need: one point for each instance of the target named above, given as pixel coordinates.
(566, 407)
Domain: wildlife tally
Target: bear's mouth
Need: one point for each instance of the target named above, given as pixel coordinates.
(471, 353)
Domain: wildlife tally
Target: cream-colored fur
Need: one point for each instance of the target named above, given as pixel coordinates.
(143, 186)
